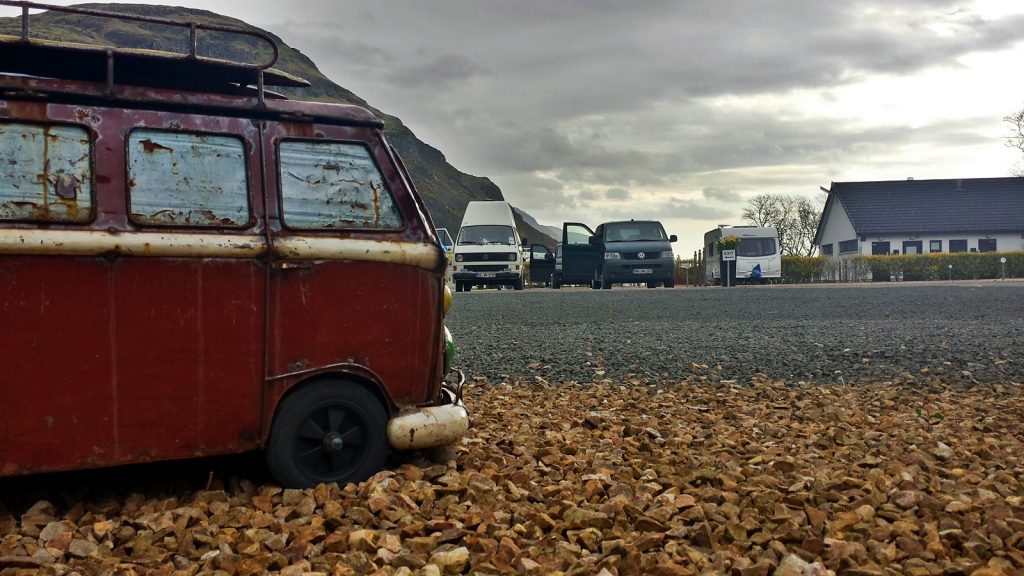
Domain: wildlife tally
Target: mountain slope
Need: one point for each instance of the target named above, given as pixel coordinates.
(552, 232)
(445, 189)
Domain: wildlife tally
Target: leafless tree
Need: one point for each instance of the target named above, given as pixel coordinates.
(795, 217)
(1016, 137)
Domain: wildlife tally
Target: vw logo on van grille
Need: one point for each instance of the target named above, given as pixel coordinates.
(641, 255)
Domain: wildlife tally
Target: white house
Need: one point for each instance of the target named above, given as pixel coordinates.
(920, 216)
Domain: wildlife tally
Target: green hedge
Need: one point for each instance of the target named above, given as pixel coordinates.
(966, 265)
(802, 269)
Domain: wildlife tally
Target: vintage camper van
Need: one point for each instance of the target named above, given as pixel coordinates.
(192, 265)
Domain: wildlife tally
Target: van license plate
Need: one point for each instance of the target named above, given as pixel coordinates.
(485, 274)
(643, 270)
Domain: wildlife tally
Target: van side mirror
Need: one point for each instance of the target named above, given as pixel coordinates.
(672, 238)
(594, 241)
(525, 242)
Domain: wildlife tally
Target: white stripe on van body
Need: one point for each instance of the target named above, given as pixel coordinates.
(178, 245)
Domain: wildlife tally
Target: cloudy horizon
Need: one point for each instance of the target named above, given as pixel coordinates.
(681, 111)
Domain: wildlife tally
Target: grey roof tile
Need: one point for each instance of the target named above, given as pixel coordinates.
(992, 205)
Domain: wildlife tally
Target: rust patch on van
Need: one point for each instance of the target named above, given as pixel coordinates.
(87, 116)
(67, 187)
(150, 146)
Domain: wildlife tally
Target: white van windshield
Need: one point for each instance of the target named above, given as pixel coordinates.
(488, 234)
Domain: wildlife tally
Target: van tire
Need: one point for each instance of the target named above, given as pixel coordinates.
(652, 284)
(556, 283)
(670, 283)
(519, 284)
(339, 412)
(606, 284)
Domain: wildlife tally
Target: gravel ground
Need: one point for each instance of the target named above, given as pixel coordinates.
(738, 462)
(965, 331)
(685, 479)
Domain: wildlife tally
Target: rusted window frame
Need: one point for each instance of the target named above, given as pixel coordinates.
(283, 216)
(246, 170)
(93, 196)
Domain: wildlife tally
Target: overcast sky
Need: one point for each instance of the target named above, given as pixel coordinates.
(592, 110)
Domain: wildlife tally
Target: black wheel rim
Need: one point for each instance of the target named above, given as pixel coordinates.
(331, 441)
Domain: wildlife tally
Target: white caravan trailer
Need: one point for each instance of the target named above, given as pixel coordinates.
(758, 256)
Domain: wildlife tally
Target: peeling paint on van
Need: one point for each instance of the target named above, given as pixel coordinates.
(45, 174)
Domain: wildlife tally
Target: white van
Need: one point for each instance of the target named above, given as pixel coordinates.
(758, 257)
(488, 250)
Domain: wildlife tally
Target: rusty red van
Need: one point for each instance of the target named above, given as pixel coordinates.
(191, 264)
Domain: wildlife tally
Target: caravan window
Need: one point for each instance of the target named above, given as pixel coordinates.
(754, 247)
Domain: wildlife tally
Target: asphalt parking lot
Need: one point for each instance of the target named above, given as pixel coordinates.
(958, 331)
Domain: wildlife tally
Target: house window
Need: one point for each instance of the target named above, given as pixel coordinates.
(45, 173)
(935, 245)
(334, 185)
(958, 245)
(986, 245)
(911, 246)
(826, 249)
(847, 246)
(181, 179)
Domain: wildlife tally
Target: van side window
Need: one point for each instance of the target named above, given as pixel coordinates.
(45, 173)
(181, 179)
(334, 185)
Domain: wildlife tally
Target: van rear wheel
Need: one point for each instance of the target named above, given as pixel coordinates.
(329, 431)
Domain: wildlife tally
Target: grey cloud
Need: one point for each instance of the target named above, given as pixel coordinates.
(445, 70)
(693, 210)
(721, 194)
(617, 194)
(673, 208)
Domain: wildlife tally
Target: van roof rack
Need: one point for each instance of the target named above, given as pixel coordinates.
(155, 68)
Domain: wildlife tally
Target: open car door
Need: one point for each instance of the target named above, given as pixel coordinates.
(579, 258)
(542, 264)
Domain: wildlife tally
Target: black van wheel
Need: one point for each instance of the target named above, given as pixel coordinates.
(606, 284)
(519, 284)
(331, 431)
(652, 284)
